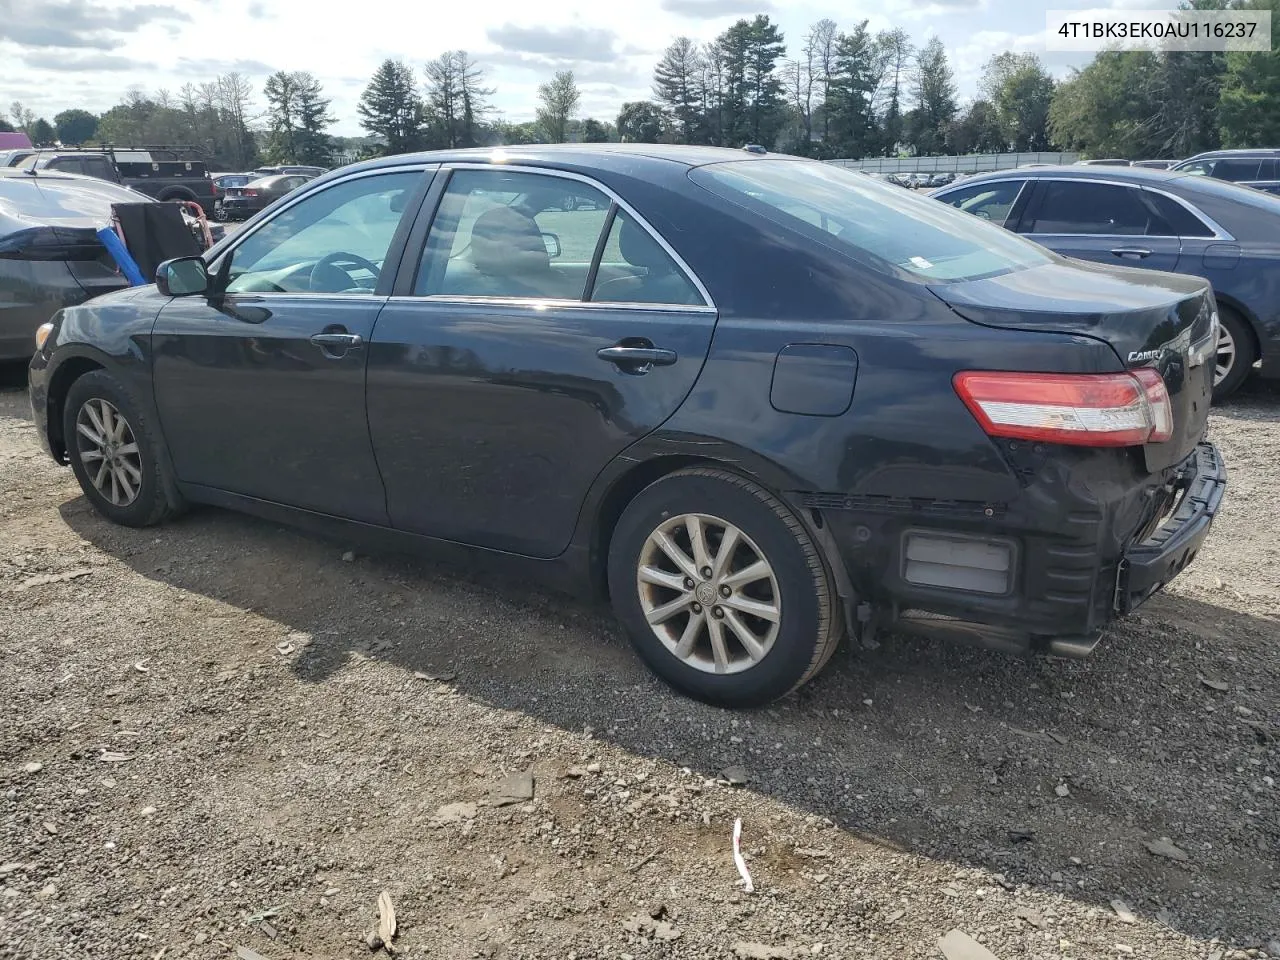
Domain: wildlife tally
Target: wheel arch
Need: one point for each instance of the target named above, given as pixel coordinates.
(176, 193)
(67, 372)
(634, 474)
(1251, 322)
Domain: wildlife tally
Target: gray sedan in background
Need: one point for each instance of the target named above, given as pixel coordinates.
(1157, 220)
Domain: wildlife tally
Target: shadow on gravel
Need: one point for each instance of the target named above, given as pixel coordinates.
(1052, 773)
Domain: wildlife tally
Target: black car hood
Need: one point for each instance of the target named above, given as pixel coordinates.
(1132, 310)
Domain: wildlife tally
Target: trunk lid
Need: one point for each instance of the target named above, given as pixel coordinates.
(1150, 319)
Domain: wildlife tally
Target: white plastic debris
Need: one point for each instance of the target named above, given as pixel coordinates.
(738, 861)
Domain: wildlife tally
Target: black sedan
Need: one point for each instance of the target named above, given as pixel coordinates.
(755, 401)
(240, 202)
(1158, 220)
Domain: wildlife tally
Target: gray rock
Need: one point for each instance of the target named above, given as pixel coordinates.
(1029, 915)
(737, 776)
(745, 950)
(1123, 913)
(34, 766)
(516, 788)
(1164, 847)
(455, 813)
(1062, 790)
(958, 945)
(1273, 948)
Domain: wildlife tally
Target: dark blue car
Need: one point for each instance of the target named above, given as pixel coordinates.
(753, 401)
(1158, 220)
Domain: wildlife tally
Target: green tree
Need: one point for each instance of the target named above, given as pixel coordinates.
(676, 87)
(314, 145)
(75, 126)
(281, 92)
(456, 97)
(934, 90)
(23, 119)
(978, 131)
(894, 53)
(849, 114)
(1250, 92)
(559, 98)
(1021, 91)
(391, 109)
(641, 122)
(593, 131)
(753, 92)
(515, 134)
(5, 125)
(42, 133)
(1109, 108)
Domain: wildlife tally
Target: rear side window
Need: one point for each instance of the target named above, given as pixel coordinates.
(1100, 209)
(987, 201)
(634, 268)
(1235, 170)
(1182, 222)
(883, 226)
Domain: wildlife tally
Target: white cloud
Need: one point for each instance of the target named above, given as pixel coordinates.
(610, 47)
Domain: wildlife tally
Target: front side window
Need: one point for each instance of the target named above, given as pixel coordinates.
(1100, 209)
(507, 234)
(333, 241)
(885, 227)
(988, 201)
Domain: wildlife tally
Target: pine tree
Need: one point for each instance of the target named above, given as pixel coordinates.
(934, 90)
(391, 109)
(675, 86)
(314, 145)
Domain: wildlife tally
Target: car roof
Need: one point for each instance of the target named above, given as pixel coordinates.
(615, 156)
(1245, 153)
(1137, 175)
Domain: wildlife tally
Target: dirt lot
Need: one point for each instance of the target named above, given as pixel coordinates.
(221, 722)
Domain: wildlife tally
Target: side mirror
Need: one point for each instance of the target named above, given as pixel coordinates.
(182, 277)
(553, 245)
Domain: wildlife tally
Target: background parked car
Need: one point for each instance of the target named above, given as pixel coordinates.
(1154, 164)
(1259, 169)
(224, 181)
(1113, 162)
(13, 157)
(164, 173)
(1161, 221)
(241, 203)
(290, 168)
(50, 255)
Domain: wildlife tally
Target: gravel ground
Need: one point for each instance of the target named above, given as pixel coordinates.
(223, 735)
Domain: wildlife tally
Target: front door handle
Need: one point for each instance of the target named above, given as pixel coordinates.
(1135, 253)
(638, 356)
(338, 341)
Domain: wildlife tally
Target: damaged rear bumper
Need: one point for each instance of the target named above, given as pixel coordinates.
(1086, 543)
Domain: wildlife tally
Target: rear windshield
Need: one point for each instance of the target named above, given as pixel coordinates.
(881, 225)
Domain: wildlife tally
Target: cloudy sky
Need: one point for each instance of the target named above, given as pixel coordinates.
(56, 54)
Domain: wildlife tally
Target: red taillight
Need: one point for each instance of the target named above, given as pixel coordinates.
(248, 193)
(1087, 410)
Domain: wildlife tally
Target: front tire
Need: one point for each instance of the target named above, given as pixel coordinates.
(721, 590)
(1234, 356)
(115, 454)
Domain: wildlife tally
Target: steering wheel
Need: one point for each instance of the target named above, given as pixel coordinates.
(327, 276)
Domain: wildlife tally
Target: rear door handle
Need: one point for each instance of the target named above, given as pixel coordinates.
(340, 341)
(1137, 253)
(638, 356)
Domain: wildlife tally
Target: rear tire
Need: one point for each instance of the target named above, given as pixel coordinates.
(1235, 354)
(115, 453)
(763, 623)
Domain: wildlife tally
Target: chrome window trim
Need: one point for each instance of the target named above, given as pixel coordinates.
(1219, 232)
(498, 166)
(243, 236)
(548, 303)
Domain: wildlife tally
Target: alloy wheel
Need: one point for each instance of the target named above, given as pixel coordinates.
(109, 452)
(1226, 355)
(709, 594)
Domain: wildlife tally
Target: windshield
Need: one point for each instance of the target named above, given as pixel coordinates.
(880, 225)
